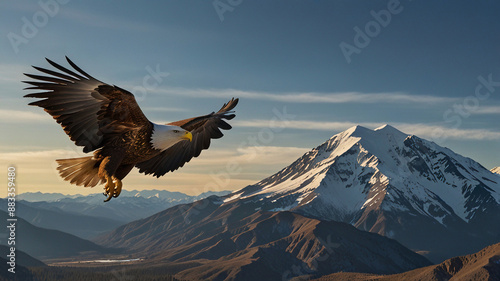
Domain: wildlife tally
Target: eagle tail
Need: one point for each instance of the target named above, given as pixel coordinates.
(80, 171)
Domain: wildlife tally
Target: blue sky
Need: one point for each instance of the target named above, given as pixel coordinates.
(420, 71)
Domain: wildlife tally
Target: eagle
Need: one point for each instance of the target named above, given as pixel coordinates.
(106, 120)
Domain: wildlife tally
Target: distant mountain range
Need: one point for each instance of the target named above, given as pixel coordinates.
(40, 196)
(164, 195)
(87, 216)
(483, 265)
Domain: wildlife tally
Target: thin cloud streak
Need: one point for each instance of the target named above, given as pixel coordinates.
(107, 22)
(251, 164)
(430, 132)
(304, 125)
(19, 116)
(308, 97)
(12, 74)
(487, 110)
(29, 156)
(421, 130)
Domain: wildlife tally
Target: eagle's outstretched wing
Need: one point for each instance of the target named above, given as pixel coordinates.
(91, 112)
(203, 128)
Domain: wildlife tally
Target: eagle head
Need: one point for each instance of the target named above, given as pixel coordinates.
(164, 136)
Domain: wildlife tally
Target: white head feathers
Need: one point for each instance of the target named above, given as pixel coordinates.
(164, 136)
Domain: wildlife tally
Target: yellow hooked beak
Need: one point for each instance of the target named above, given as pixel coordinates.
(187, 136)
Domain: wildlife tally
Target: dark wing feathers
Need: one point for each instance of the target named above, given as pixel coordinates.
(85, 107)
(92, 113)
(203, 128)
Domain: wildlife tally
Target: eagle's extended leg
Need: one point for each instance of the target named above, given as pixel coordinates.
(113, 187)
(118, 186)
(109, 188)
(107, 169)
(120, 173)
(113, 172)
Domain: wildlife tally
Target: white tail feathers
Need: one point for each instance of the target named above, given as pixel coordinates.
(80, 171)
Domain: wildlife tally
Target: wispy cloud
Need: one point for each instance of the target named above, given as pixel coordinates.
(13, 73)
(304, 125)
(260, 156)
(30, 156)
(84, 17)
(487, 110)
(430, 131)
(106, 21)
(207, 172)
(421, 130)
(309, 97)
(19, 116)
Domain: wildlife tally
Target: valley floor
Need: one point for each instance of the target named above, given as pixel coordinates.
(483, 265)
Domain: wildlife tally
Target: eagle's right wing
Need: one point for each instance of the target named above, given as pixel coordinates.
(203, 128)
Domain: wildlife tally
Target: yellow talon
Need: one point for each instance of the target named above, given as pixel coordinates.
(118, 187)
(113, 187)
(109, 188)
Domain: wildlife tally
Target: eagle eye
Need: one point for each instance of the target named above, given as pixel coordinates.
(176, 131)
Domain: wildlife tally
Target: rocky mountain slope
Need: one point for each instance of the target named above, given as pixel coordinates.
(234, 242)
(483, 265)
(83, 226)
(42, 243)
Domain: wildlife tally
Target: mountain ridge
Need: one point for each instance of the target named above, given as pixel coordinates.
(483, 265)
(235, 242)
(74, 223)
(392, 183)
(42, 243)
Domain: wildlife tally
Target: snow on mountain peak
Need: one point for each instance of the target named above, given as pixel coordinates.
(362, 169)
(496, 170)
(389, 130)
(376, 135)
(356, 130)
(387, 127)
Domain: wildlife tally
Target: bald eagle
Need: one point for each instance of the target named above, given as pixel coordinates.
(107, 120)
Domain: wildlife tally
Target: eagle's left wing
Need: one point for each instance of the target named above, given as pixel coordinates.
(203, 129)
(91, 112)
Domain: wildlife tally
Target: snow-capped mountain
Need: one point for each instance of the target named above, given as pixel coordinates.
(388, 182)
